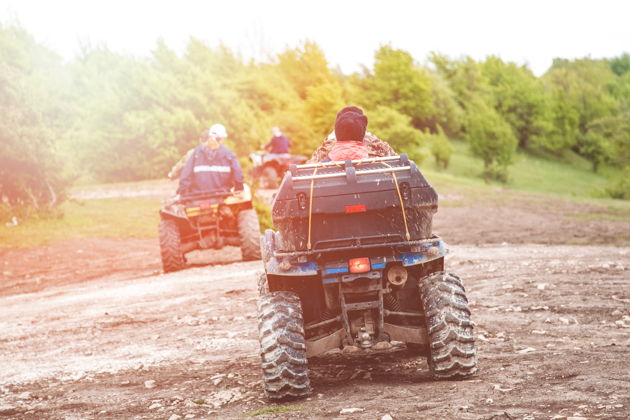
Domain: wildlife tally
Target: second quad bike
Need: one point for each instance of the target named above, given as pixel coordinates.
(269, 168)
(207, 220)
(354, 263)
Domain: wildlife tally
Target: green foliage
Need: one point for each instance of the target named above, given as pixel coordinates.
(620, 187)
(448, 115)
(275, 410)
(519, 98)
(441, 149)
(396, 128)
(31, 118)
(582, 89)
(264, 214)
(113, 117)
(620, 65)
(491, 138)
(397, 83)
(607, 140)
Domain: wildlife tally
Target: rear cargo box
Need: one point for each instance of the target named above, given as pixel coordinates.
(353, 205)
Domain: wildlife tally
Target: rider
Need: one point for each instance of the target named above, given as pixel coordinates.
(212, 167)
(349, 131)
(279, 143)
(374, 145)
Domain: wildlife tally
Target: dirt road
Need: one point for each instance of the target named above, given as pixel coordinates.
(552, 330)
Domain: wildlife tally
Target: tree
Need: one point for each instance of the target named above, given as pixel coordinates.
(441, 148)
(607, 140)
(396, 128)
(31, 119)
(397, 83)
(582, 90)
(491, 138)
(519, 98)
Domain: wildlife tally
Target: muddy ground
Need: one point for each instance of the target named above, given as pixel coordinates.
(91, 329)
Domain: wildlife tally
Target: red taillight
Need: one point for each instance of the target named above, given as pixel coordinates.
(359, 265)
(357, 208)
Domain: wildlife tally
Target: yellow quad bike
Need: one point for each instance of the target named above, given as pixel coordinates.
(207, 220)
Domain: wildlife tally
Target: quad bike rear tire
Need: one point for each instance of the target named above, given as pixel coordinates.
(269, 178)
(249, 234)
(282, 346)
(452, 353)
(170, 246)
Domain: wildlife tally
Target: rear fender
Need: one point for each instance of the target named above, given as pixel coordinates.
(173, 211)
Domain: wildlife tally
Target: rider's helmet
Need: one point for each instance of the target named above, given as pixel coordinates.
(218, 131)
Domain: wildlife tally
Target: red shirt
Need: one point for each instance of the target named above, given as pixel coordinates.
(348, 150)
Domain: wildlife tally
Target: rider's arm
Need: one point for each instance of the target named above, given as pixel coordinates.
(237, 173)
(268, 145)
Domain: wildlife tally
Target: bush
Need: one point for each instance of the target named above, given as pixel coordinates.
(264, 214)
(441, 149)
(620, 187)
(491, 138)
(395, 128)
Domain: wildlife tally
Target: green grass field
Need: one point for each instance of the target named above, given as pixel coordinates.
(138, 217)
(98, 218)
(528, 173)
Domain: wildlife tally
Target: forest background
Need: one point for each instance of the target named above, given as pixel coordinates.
(110, 117)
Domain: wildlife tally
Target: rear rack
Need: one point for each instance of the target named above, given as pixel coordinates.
(351, 168)
(336, 163)
(342, 174)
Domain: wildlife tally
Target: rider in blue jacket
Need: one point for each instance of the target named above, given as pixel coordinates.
(211, 167)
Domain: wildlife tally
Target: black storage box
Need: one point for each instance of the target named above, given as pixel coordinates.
(353, 204)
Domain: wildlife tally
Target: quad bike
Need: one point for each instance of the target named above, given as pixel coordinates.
(207, 220)
(355, 263)
(269, 168)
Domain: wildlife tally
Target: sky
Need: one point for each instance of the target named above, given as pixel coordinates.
(531, 32)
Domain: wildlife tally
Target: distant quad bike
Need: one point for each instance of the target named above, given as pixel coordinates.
(269, 168)
(354, 263)
(208, 220)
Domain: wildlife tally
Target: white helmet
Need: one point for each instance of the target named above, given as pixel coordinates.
(218, 130)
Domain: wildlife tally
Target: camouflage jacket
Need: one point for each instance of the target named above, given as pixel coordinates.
(177, 169)
(376, 147)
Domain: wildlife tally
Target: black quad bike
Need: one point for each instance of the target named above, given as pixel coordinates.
(207, 220)
(268, 169)
(355, 263)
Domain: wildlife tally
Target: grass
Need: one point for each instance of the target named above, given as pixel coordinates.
(528, 173)
(274, 410)
(99, 218)
(572, 180)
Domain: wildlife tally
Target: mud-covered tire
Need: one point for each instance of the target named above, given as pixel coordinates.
(452, 353)
(249, 234)
(269, 178)
(282, 346)
(170, 246)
